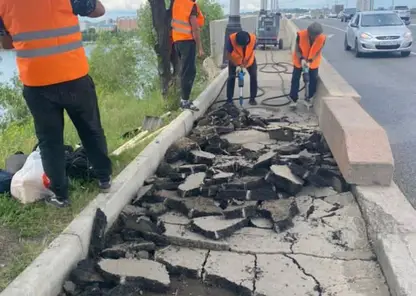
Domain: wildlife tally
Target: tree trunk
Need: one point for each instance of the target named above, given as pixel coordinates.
(161, 22)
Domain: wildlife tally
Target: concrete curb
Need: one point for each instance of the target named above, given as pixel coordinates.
(389, 217)
(45, 275)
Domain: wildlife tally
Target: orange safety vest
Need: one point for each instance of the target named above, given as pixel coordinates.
(181, 26)
(47, 39)
(309, 52)
(237, 55)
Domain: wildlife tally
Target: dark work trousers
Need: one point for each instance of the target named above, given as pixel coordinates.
(232, 72)
(47, 105)
(296, 76)
(187, 55)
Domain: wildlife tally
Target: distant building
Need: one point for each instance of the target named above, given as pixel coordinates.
(126, 23)
(105, 27)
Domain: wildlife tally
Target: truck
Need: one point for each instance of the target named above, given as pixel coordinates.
(337, 8)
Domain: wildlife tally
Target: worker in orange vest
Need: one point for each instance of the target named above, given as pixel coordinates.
(241, 53)
(187, 19)
(53, 68)
(307, 55)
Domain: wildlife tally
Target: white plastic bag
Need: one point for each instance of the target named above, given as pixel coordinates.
(27, 184)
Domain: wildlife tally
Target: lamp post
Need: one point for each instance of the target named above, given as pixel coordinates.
(233, 26)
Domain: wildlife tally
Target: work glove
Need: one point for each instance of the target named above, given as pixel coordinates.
(304, 63)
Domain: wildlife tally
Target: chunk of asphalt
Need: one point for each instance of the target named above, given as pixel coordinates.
(222, 130)
(142, 255)
(156, 210)
(254, 147)
(166, 184)
(69, 288)
(266, 193)
(182, 261)
(215, 227)
(343, 199)
(219, 178)
(149, 274)
(125, 289)
(86, 274)
(192, 168)
(247, 210)
(245, 136)
(246, 183)
(287, 149)
(97, 241)
(316, 192)
(143, 191)
(180, 149)
(281, 212)
(115, 252)
(284, 179)
(209, 191)
(281, 133)
(164, 170)
(201, 157)
(194, 207)
(232, 271)
(261, 223)
(133, 211)
(192, 185)
(265, 160)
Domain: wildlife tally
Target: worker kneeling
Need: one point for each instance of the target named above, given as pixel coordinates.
(307, 59)
(240, 48)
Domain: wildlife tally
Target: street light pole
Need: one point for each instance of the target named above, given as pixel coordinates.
(233, 26)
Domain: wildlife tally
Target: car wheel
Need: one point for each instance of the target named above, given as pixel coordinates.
(358, 54)
(405, 53)
(346, 46)
(280, 43)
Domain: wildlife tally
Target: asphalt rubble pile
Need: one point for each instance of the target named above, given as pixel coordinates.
(219, 185)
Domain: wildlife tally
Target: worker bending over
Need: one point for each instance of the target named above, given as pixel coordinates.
(307, 54)
(54, 69)
(241, 53)
(187, 19)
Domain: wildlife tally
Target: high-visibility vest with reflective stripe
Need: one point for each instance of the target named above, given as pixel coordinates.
(310, 53)
(237, 55)
(181, 26)
(47, 39)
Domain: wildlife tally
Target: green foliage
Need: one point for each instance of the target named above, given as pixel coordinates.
(117, 64)
(11, 99)
(89, 35)
(212, 11)
(145, 25)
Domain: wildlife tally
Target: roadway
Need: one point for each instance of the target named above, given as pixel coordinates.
(387, 85)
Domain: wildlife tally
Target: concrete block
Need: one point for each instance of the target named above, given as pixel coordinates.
(397, 260)
(46, 274)
(182, 261)
(359, 144)
(231, 271)
(385, 210)
(279, 275)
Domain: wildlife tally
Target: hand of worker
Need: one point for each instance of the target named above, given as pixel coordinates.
(304, 63)
(201, 52)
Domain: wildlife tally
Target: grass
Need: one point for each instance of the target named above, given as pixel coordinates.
(36, 225)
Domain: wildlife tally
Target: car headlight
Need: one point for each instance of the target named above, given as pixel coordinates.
(365, 36)
(408, 35)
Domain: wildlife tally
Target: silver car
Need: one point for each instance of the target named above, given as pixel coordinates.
(378, 31)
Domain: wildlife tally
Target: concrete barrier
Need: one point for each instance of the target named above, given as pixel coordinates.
(217, 34)
(46, 274)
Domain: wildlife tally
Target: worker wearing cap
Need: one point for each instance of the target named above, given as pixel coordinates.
(187, 19)
(308, 53)
(241, 53)
(53, 68)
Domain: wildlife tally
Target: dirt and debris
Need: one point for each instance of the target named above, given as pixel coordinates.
(241, 189)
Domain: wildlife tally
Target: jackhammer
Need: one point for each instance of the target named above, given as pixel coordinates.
(240, 75)
(306, 80)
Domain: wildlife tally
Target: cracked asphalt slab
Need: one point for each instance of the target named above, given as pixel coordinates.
(386, 85)
(250, 203)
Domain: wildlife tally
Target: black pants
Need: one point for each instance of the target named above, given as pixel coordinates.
(252, 71)
(47, 105)
(296, 76)
(187, 55)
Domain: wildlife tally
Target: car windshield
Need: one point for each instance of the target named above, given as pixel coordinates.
(350, 11)
(401, 8)
(381, 20)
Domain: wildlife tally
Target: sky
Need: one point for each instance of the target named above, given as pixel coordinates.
(249, 5)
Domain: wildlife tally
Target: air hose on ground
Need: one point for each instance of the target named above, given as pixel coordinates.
(279, 68)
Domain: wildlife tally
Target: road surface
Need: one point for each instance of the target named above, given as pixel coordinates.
(387, 84)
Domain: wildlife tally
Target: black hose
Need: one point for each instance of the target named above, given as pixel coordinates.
(279, 68)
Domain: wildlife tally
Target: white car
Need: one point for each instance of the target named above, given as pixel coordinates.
(378, 31)
(403, 12)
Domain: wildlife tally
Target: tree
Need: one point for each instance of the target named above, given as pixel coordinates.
(154, 28)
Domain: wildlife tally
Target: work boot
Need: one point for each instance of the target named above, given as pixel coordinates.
(57, 201)
(308, 103)
(229, 101)
(252, 102)
(186, 104)
(105, 185)
(293, 104)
